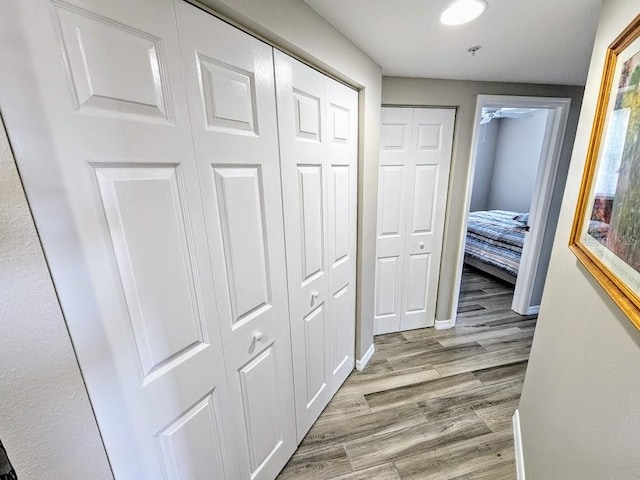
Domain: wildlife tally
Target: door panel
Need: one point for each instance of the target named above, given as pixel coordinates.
(414, 169)
(240, 208)
(311, 221)
(110, 172)
(259, 387)
(230, 87)
(301, 108)
(341, 187)
(394, 177)
(191, 447)
(431, 158)
(157, 278)
(318, 124)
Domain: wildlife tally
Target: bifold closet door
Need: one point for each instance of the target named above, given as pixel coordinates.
(230, 85)
(317, 117)
(96, 109)
(413, 182)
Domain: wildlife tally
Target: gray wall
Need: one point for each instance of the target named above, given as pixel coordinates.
(294, 26)
(463, 95)
(46, 421)
(485, 156)
(581, 397)
(516, 162)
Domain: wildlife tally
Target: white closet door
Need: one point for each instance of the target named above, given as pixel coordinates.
(230, 84)
(341, 116)
(393, 182)
(103, 141)
(318, 159)
(413, 183)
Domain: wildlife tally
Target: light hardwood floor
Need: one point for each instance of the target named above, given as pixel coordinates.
(430, 404)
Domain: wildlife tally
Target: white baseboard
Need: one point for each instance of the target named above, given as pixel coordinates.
(533, 310)
(360, 364)
(517, 441)
(444, 324)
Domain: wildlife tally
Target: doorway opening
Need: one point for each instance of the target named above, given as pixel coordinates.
(514, 162)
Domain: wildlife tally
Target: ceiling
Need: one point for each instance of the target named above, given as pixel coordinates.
(537, 41)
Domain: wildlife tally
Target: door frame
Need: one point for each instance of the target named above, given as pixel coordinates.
(542, 193)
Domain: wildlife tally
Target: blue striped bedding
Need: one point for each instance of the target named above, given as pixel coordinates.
(495, 238)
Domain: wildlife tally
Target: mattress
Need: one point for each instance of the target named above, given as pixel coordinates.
(495, 238)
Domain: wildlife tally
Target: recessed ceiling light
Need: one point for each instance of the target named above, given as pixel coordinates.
(463, 11)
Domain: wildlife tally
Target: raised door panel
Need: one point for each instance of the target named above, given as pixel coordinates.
(259, 381)
(93, 45)
(192, 446)
(390, 180)
(416, 286)
(315, 361)
(101, 106)
(387, 287)
(343, 318)
(311, 221)
(424, 199)
(240, 202)
(146, 221)
(229, 97)
(341, 221)
(230, 86)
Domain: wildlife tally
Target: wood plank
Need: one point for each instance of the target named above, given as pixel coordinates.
(419, 438)
(422, 391)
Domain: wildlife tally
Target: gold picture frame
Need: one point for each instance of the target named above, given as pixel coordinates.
(607, 217)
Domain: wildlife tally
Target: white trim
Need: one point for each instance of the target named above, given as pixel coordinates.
(517, 442)
(444, 324)
(545, 181)
(533, 310)
(360, 364)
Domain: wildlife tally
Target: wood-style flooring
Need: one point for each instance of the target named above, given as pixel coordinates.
(431, 404)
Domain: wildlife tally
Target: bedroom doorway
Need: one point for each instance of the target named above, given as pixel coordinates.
(514, 162)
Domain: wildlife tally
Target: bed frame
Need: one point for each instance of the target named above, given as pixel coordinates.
(490, 269)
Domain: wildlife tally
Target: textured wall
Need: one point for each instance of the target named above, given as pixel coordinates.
(46, 421)
(516, 162)
(484, 165)
(581, 397)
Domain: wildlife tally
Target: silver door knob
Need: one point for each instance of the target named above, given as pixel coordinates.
(258, 336)
(314, 294)
(421, 245)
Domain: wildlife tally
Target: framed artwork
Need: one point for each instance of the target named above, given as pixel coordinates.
(606, 228)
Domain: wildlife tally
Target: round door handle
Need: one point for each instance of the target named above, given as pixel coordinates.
(314, 294)
(421, 245)
(258, 336)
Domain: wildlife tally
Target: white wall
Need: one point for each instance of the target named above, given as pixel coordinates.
(463, 95)
(485, 156)
(294, 26)
(581, 397)
(516, 162)
(46, 421)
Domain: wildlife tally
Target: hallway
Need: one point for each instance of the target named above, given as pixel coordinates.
(430, 404)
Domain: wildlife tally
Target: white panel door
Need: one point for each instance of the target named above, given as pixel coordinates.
(393, 180)
(230, 85)
(98, 114)
(341, 116)
(317, 120)
(413, 182)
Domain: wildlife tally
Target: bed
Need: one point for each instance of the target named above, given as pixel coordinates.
(494, 242)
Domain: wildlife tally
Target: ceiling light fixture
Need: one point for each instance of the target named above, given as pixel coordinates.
(463, 11)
